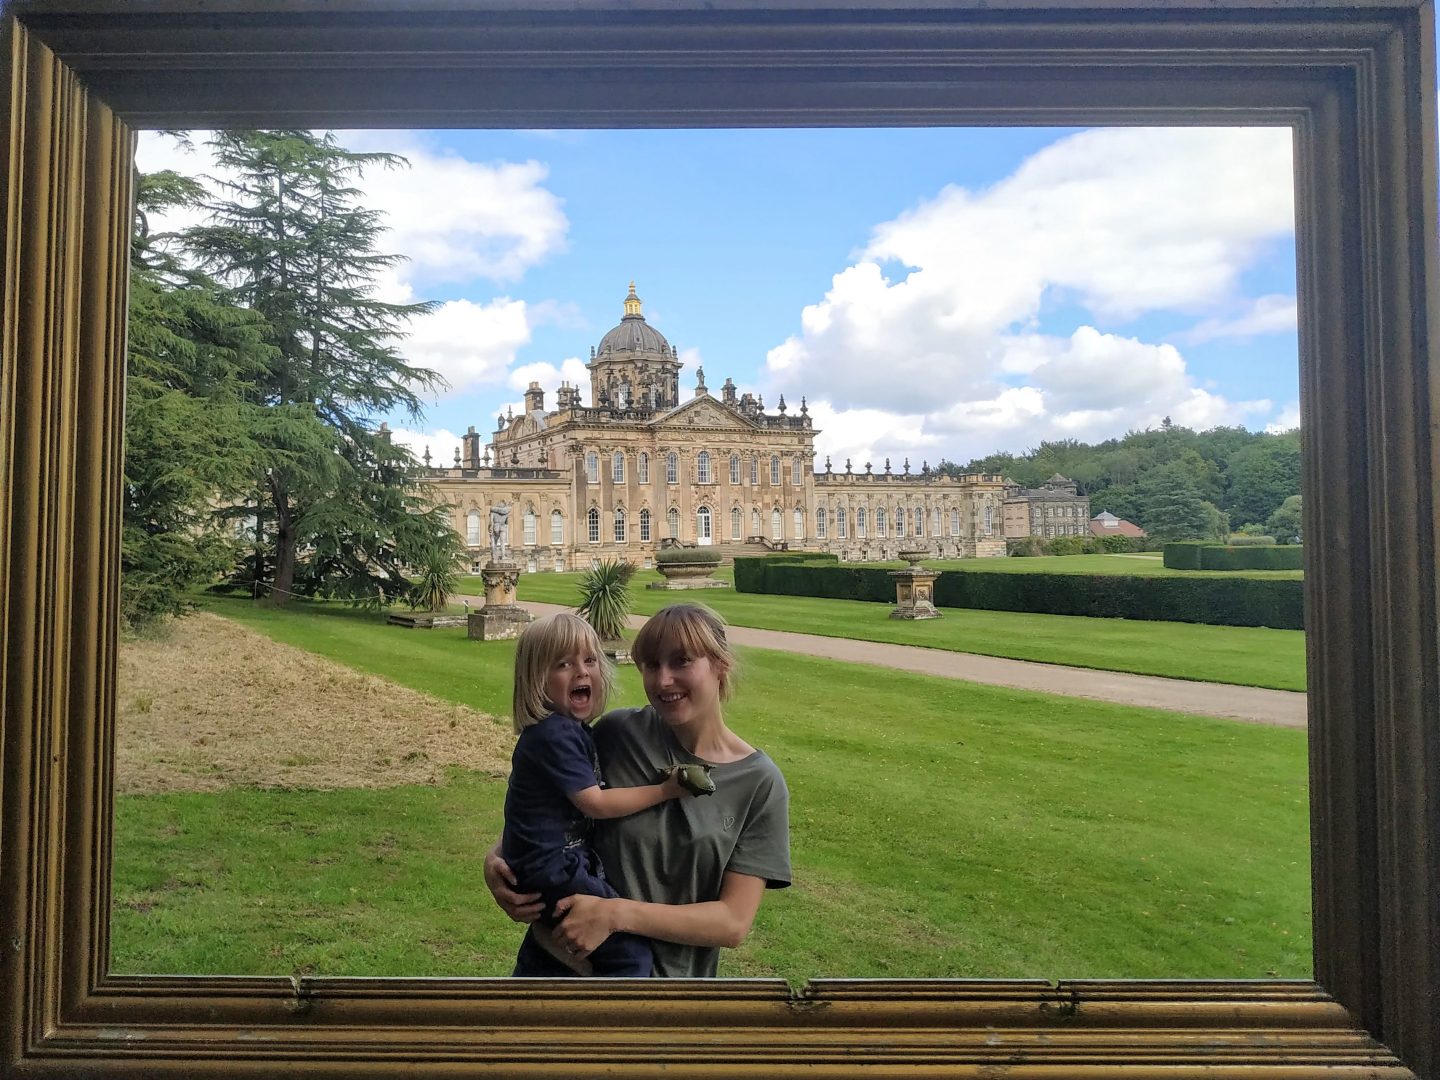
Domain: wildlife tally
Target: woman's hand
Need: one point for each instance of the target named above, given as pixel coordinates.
(585, 922)
(522, 907)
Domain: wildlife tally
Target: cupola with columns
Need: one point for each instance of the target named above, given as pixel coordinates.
(634, 367)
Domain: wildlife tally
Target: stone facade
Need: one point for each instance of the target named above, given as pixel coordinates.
(1054, 509)
(638, 465)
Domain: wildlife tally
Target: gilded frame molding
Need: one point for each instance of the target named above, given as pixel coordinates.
(1353, 79)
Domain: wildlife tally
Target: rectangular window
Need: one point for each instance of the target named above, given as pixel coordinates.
(617, 469)
(820, 525)
(529, 530)
(955, 522)
(775, 472)
(735, 469)
(754, 470)
(796, 470)
(642, 469)
(557, 529)
(592, 468)
(672, 468)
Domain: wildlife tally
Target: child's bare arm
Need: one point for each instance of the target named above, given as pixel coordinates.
(598, 802)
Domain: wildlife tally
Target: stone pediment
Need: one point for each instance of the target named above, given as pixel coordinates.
(703, 412)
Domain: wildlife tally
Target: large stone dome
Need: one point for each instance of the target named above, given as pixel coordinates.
(633, 334)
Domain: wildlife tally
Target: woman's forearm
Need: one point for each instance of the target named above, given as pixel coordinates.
(724, 922)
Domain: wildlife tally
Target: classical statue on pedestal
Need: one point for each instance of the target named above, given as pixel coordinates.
(499, 532)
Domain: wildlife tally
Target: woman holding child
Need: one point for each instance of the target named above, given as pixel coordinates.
(689, 871)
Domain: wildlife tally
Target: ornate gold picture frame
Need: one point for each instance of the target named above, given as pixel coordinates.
(1353, 80)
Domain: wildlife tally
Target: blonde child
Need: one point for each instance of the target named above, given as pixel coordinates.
(562, 681)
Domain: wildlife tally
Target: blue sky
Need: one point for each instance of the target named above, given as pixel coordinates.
(932, 292)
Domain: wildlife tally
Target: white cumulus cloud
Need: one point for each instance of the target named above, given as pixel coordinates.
(469, 344)
(931, 338)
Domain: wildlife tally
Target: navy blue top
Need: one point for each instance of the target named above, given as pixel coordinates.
(544, 832)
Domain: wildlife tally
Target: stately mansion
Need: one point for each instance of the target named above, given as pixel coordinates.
(626, 465)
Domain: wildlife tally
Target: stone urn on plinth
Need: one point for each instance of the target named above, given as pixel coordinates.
(687, 568)
(501, 617)
(914, 589)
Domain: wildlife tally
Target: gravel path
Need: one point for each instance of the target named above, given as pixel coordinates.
(1284, 708)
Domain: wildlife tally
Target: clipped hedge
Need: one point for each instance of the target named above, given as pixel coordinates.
(1194, 555)
(750, 570)
(1277, 603)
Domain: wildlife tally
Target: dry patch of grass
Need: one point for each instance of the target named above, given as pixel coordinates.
(215, 705)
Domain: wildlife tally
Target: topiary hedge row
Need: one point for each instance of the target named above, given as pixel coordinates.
(1198, 555)
(1239, 602)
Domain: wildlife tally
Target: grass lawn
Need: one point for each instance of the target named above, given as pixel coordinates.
(938, 829)
(1243, 655)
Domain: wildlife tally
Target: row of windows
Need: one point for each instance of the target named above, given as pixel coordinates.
(916, 520)
(528, 528)
(704, 469)
(704, 524)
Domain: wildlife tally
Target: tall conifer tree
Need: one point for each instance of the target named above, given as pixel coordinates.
(192, 354)
(342, 509)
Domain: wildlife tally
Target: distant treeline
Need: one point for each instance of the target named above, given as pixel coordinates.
(1173, 482)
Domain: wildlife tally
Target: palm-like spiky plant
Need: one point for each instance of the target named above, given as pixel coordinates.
(438, 574)
(605, 597)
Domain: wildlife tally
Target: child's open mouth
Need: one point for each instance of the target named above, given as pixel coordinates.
(580, 695)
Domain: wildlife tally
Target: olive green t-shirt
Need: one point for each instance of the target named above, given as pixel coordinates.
(678, 852)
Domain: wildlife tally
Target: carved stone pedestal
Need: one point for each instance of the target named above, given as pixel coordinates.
(501, 617)
(914, 589)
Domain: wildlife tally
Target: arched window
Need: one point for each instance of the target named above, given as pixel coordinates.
(557, 528)
(529, 533)
(799, 523)
(754, 470)
(642, 469)
(775, 470)
(472, 528)
(900, 522)
(860, 523)
(989, 520)
(796, 471)
(754, 522)
(702, 525)
(620, 526)
(592, 525)
(777, 524)
(672, 519)
(644, 526)
(672, 468)
(842, 523)
(880, 523)
(917, 518)
(820, 531)
(702, 467)
(735, 469)
(592, 468)
(736, 521)
(935, 521)
(617, 468)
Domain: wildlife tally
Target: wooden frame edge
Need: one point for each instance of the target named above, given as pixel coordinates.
(1359, 90)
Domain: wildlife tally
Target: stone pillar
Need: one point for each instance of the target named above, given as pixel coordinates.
(501, 617)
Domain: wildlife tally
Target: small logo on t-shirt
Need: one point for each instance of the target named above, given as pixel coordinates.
(728, 823)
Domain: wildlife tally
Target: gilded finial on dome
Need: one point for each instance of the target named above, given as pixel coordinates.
(632, 302)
